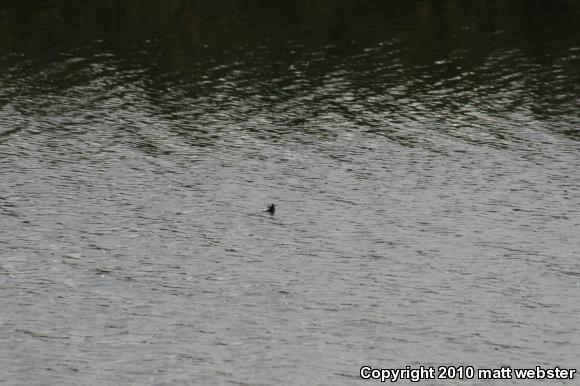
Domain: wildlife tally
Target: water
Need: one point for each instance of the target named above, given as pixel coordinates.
(423, 159)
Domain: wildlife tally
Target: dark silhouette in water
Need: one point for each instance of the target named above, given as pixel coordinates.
(271, 209)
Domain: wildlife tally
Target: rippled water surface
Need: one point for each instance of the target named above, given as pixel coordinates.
(423, 157)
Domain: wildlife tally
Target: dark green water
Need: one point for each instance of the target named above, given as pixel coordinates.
(423, 155)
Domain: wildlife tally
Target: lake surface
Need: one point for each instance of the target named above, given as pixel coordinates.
(424, 159)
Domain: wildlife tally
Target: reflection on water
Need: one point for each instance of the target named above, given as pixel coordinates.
(423, 159)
